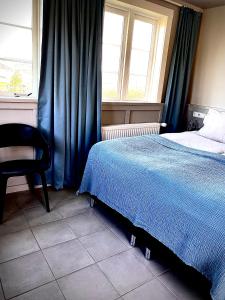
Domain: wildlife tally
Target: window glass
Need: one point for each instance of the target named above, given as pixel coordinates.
(134, 52)
(16, 43)
(139, 64)
(16, 47)
(16, 12)
(15, 77)
(112, 43)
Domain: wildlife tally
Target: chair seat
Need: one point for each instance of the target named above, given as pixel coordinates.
(22, 167)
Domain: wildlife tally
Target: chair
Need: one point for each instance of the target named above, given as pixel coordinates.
(23, 135)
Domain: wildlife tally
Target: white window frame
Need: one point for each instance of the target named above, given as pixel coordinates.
(36, 46)
(161, 19)
(36, 43)
(124, 13)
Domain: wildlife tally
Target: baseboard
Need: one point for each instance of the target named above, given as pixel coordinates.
(17, 188)
(21, 187)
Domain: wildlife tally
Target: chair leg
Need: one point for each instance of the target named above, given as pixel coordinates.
(30, 181)
(44, 185)
(3, 185)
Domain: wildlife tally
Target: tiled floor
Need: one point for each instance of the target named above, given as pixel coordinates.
(79, 253)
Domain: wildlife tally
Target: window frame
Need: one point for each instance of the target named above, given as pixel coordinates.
(36, 48)
(133, 17)
(124, 13)
(36, 44)
(161, 19)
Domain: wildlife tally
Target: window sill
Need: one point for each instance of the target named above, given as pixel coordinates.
(18, 100)
(131, 103)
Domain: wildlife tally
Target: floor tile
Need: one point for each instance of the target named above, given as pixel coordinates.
(125, 271)
(156, 265)
(38, 216)
(106, 240)
(16, 222)
(86, 284)
(121, 233)
(49, 291)
(153, 290)
(23, 274)
(55, 197)
(17, 244)
(53, 233)
(72, 207)
(104, 215)
(85, 223)
(103, 244)
(10, 207)
(27, 199)
(113, 224)
(66, 258)
(182, 287)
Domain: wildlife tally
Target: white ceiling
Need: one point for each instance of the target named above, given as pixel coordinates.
(206, 3)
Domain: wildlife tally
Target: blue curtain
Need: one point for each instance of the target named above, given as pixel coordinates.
(69, 109)
(181, 67)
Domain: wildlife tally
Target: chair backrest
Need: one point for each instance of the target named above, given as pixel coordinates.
(14, 134)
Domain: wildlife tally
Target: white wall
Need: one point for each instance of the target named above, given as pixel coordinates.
(209, 75)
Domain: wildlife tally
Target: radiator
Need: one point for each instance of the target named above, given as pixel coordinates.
(125, 130)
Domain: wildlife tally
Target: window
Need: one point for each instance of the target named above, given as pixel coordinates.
(18, 54)
(133, 49)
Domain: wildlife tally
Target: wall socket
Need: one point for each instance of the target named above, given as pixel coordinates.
(199, 115)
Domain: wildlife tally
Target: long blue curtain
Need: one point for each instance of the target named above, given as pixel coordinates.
(181, 67)
(69, 108)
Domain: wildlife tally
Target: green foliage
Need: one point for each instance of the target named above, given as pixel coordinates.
(3, 86)
(111, 94)
(135, 94)
(16, 82)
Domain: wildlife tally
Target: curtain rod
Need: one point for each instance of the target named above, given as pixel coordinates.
(181, 3)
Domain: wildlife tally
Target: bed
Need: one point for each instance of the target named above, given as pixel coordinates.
(173, 187)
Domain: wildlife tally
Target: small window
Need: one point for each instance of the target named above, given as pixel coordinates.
(16, 49)
(133, 43)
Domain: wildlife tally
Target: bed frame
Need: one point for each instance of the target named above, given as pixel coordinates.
(134, 231)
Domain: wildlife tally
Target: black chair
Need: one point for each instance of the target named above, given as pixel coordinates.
(23, 135)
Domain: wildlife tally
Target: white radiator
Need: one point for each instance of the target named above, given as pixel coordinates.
(125, 130)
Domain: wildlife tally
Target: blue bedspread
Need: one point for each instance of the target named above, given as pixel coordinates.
(175, 193)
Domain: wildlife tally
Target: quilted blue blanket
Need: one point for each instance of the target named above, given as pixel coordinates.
(175, 193)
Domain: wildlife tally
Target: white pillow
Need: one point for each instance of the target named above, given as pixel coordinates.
(214, 126)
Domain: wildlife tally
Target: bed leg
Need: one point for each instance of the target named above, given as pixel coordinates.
(92, 202)
(147, 253)
(133, 240)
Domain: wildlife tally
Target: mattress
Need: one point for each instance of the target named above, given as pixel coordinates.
(193, 140)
